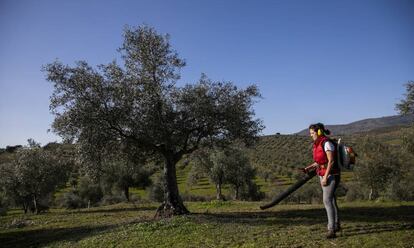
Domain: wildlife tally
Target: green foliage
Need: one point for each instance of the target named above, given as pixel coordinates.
(112, 199)
(121, 174)
(408, 141)
(406, 106)
(33, 144)
(376, 166)
(156, 190)
(3, 204)
(208, 162)
(280, 155)
(251, 192)
(239, 173)
(402, 187)
(356, 192)
(89, 190)
(402, 184)
(34, 174)
(70, 200)
(229, 166)
(188, 197)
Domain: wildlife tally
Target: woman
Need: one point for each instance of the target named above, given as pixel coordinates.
(324, 157)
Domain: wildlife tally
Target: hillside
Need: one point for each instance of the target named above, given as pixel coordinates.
(279, 153)
(276, 158)
(367, 125)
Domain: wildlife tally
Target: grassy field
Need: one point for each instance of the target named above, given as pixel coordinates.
(211, 224)
(217, 224)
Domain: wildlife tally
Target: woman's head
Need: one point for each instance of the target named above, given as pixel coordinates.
(318, 129)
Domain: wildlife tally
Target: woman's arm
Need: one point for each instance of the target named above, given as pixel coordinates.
(312, 166)
(330, 156)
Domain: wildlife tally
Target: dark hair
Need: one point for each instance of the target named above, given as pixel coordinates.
(317, 126)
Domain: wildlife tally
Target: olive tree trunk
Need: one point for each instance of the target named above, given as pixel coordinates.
(173, 204)
(126, 192)
(236, 192)
(219, 195)
(35, 210)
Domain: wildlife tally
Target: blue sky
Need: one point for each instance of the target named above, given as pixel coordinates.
(314, 61)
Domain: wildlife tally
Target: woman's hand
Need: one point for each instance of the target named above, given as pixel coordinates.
(324, 181)
(309, 168)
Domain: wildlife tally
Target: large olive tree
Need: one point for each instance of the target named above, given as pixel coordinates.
(138, 106)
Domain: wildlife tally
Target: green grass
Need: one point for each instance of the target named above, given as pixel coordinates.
(213, 224)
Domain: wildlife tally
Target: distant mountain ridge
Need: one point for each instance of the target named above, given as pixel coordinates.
(367, 125)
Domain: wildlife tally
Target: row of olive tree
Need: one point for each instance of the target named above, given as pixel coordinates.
(32, 175)
(383, 171)
(31, 178)
(108, 180)
(229, 166)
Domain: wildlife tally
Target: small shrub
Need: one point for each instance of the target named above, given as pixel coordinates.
(89, 191)
(381, 199)
(342, 190)
(3, 211)
(401, 188)
(20, 223)
(156, 192)
(355, 192)
(3, 206)
(112, 199)
(216, 204)
(41, 208)
(42, 204)
(251, 192)
(135, 198)
(310, 193)
(72, 201)
(195, 198)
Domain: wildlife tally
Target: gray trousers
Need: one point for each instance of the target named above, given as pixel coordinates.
(329, 200)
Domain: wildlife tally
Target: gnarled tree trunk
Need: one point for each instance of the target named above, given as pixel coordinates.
(35, 205)
(173, 204)
(126, 192)
(25, 206)
(219, 195)
(236, 193)
(371, 193)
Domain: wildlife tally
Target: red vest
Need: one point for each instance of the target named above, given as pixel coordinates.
(319, 156)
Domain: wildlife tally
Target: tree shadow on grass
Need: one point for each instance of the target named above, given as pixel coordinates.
(263, 218)
(375, 228)
(15, 213)
(115, 210)
(355, 215)
(378, 214)
(42, 237)
(88, 211)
